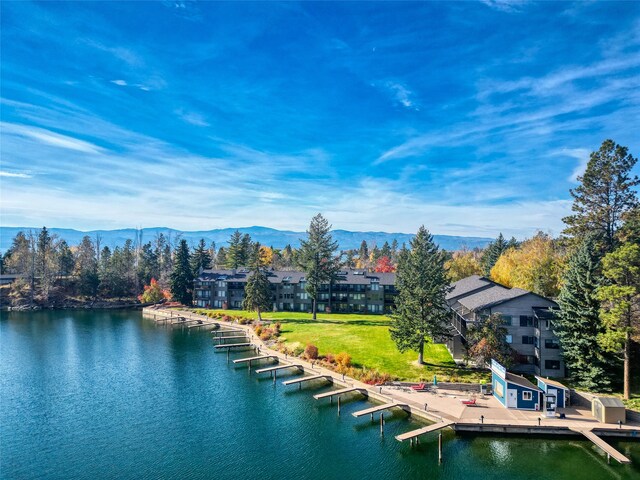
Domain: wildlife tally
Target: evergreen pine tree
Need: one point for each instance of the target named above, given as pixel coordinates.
(221, 258)
(257, 292)
(492, 253)
(420, 315)
(317, 257)
(201, 258)
(235, 255)
(605, 194)
(578, 324)
(182, 275)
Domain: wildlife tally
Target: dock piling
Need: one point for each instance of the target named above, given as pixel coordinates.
(338, 406)
(440, 447)
(382, 424)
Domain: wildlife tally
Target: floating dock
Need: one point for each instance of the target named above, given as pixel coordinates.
(280, 367)
(230, 337)
(234, 345)
(253, 359)
(421, 431)
(342, 391)
(608, 449)
(308, 379)
(379, 408)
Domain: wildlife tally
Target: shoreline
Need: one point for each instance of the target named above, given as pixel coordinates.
(447, 411)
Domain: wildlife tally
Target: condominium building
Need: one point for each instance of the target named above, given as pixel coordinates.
(353, 291)
(527, 318)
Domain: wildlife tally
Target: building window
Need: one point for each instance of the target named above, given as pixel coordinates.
(526, 321)
(220, 283)
(509, 338)
(526, 395)
(551, 343)
(375, 287)
(506, 319)
(528, 340)
(552, 364)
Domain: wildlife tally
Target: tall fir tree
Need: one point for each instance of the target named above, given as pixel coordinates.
(420, 315)
(201, 258)
(257, 292)
(317, 257)
(493, 251)
(605, 194)
(87, 267)
(578, 324)
(234, 257)
(182, 275)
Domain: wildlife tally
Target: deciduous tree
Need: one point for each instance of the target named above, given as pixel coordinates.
(487, 340)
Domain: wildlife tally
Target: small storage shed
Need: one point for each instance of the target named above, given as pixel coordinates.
(514, 391)
(552, 387)
(608, 409)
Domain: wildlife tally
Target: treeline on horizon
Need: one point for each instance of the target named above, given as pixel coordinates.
(592, 269)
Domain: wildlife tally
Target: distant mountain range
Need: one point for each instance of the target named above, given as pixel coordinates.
(264, 235)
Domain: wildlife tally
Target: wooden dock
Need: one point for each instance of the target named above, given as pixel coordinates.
(256, 358)
(608, 449)
(421, 431)
(234, 345)
(230, 337)
(342, 391)
(279, 367)
(220, 333)
(308, 379)
(378, 408)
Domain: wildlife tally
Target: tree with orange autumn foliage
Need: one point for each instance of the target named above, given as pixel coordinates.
(153, 293)
(384, 265)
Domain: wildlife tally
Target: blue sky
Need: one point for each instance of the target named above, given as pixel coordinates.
(468, 117)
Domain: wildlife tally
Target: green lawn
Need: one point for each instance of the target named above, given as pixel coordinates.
(366, 338)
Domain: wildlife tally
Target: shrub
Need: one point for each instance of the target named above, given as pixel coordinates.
(258, 330)
(330, 358)
(311, 352)
(297, 350)
(343, 359)
(265, 335)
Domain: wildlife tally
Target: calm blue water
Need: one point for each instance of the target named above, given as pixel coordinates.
(112, 395)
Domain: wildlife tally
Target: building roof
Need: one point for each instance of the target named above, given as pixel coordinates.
(488, 297)
(351, 277)
(523, 382)
(468, 285)
(610, 401)
(553, 383)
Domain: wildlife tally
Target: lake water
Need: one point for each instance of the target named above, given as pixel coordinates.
(99, 394)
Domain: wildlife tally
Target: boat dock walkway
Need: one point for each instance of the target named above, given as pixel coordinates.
(230, 337)
(254, 359)
(608, 449)
(379, 408)
(234, 345)
(421, 431)
(342, 391)
(280, 367)
(308, 379)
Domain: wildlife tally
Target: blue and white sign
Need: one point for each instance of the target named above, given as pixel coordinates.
(498, 369)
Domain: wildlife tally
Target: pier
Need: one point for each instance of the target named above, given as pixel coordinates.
(608, 449)
(342, 391)
(299, 381)
(229, 337)
(421, 431)
(254, 359)
(379, 408)
(280, 367)
(234, 345)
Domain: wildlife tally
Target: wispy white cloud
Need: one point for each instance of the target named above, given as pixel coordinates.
(579, 154)
(15, 174)
(400, 94)
(49, 138)
(122, 83)
(194, 118)
(510, 6)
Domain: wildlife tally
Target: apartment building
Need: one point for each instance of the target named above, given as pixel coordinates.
(353, 291)
(527, 317)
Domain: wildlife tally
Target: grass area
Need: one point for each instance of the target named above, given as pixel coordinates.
(366, 338)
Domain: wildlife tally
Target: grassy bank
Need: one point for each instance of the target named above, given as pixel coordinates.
(366, 339)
